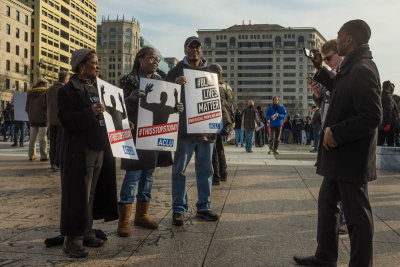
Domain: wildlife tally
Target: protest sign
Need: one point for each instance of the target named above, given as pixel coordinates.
(116, 118)
(158, 121)
(203, 102)
(19, 107)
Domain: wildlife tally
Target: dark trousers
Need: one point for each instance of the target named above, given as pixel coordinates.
(19, 127)
(275, 136)
(388, 136)
(55, 142)
(218, 160)
(357, 210)
(260, 137)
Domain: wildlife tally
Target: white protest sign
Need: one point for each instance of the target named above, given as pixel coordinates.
(203, 102)
(158, 121)
(116, 118)
(19, 107)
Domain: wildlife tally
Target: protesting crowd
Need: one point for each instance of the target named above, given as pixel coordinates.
(351, 116)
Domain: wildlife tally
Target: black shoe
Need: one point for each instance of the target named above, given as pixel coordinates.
(313, 151)
(177, 219)
(313, 261)
(21, 145)
(223, 178)
(14, 145)
(208, 215)
(215, 182)
(76, 252)
(93, 242)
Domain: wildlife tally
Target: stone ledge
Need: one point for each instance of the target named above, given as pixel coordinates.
(388, 158)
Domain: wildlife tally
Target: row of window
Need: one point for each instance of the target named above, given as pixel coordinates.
(17, 32)
(17, 15)
(268, 90)
(8, 50)
(83, 12)
(15, 85)
(17, 67)
(263, 36)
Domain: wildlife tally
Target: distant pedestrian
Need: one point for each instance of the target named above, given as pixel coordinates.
(8, 117)
(308, 130)
(316, 125)
(298, 127)
(238, 127)
(250, 121)
(275, 113)
(260, 134)
(390, 123)
(53, 121)
(287, 128)
(36, 109)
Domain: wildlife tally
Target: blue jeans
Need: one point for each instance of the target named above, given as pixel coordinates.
(8, 125)
(316, 132)
(249, 139)
(286, 134)
(204, 173)
(131, 179)
(19, 126)
(238, 136)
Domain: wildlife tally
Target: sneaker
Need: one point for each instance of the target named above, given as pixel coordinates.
(270, 152)
(13, 145)
(207, 215)
(276, 152)
(177, 219)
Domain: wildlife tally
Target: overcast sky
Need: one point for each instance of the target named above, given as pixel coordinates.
(166, 24)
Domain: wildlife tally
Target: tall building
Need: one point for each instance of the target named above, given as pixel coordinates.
(162, 64)
(118, 41)
(261, 61)
(15, 25)
(171, 61)
(59, 27)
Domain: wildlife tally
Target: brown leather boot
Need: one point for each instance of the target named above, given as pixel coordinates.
(124, 211)
(141, 216)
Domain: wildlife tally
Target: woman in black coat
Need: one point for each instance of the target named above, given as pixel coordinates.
(88, 180)
(139, 172)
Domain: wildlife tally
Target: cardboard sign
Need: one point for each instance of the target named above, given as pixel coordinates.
(116, 118)
(158, 121)
(203, 102)
(19, 107)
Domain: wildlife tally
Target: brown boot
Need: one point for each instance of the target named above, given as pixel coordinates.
(124, 211)
(141, 216)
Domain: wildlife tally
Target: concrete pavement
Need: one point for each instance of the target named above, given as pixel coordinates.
(268, 214)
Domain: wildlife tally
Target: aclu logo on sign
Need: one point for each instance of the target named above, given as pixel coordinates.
(215, 125)
(129, 150)
(165, 142)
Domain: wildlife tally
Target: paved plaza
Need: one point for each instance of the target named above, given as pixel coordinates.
(268, 214)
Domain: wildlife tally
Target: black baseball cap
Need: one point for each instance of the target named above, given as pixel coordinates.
(192, 39)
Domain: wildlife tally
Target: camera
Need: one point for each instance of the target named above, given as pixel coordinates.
(308, 53)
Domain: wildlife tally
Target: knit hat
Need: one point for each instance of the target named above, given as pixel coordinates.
(215, 68)
(78, 56)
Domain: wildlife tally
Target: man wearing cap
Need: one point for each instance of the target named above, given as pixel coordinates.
(201, 144)
(36, 109)
(346, 158)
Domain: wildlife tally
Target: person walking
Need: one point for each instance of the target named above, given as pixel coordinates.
(201, 144)
(238, 128)
(287, 128)
(54, 122)
(8, 117)
(275, 114)
(250, 120)
(36, 109)
(260, 132)
(390, 123)
(88, 175)
(348, 149)
(218, 157)
(139, 173)
(298, 127)
(316, 126)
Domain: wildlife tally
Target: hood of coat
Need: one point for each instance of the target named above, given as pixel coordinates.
(36, 90)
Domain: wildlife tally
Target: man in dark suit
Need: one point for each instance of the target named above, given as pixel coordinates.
(347, 157)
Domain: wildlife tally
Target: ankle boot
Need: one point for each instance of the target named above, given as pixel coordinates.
(124, 211)
(73, 246)
(141, 216)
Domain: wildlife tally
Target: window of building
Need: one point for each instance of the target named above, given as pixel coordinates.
(26, 20)
(8, 29)
(289, 90)
(25, 69)
(232, 67)
(8, 65)
(17, 85)
(289, 59)
(25, 87)
(7, 83)
(289, 82)
(8, 11)
(17, 33)
(16, 67)
(289, 97)
(220, 53)
(255, 75)
(17, 50)
(17, 15)
(289, 67)
(25, 53)
(293, 74)
(8, 47)
(221, 60)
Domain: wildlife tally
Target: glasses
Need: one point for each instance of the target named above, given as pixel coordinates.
(153, 59)
(328, 58)
(197, 47)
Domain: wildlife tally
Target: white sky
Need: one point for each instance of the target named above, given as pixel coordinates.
(166, 24)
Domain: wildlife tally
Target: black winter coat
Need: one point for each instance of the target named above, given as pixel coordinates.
(148, 159)
(354, 114)
(76, 117)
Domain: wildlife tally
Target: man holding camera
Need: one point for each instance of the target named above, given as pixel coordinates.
(346, 158)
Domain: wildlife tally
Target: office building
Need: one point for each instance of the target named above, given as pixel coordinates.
(59, 27)
(171, 61)
(15, 25)
(261, 61)
(118, 41)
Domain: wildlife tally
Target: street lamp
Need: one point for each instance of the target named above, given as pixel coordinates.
(39, 67)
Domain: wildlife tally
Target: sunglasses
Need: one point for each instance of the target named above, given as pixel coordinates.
(328, 58)
(153, 59)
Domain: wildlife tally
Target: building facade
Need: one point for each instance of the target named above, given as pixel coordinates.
(118, 41)
(261, 61)
(15, 25)
(59, 27)
(171, 61)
